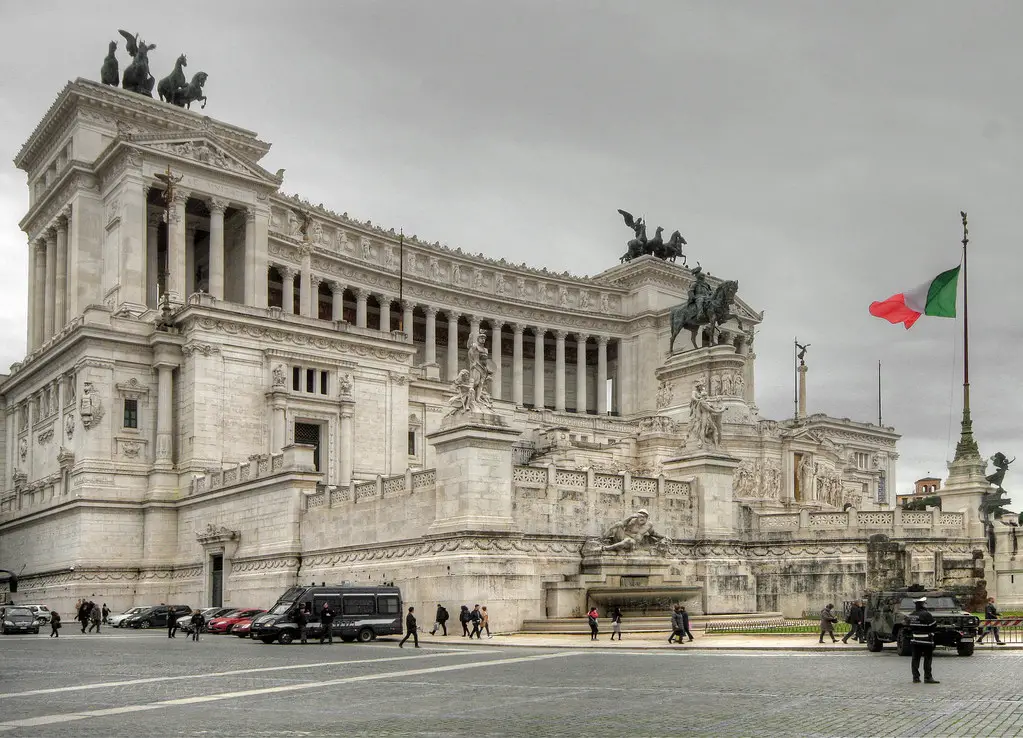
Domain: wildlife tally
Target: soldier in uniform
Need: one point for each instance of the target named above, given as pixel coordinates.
(922, 624)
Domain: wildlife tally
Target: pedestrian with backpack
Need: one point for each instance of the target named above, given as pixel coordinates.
(592, 618)
(464, 618)
(440, 621)
(54, 624)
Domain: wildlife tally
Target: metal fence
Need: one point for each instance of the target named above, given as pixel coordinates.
(771, 626)
(1010, 630)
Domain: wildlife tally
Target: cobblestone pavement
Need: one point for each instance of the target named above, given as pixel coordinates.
(143, 684)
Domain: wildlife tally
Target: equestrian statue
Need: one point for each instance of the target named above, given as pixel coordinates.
(705, 306)
(174, 88)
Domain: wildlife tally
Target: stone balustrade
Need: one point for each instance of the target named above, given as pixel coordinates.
(897, 522)
(294, 458)
(399, 485)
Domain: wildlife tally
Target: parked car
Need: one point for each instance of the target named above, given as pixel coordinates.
(226, 623)
(361, 613)
(185, 621)
(19, 619)
(117, 621)
(156, 617)
(41, 612)
(243, 628)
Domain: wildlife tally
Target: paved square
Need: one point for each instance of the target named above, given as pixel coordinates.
(135, 683)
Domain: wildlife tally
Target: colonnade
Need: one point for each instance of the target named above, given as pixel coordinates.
(47, 283)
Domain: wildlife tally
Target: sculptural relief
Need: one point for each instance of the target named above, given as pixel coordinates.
(280, 377)
(665, 393)
(435, 273)
(345, 385)
(456, 274)
(628, 535)
(23, 449)
(704, 421)
(520, 286)
(69, 425)
(563, 296)
(91, 407)
(500, 285)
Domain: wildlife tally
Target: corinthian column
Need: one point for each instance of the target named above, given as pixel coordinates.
(217, 208)
(559, 371)
(517, 365)
(430, 349)
(580, 373)
(602, 375)
(164, 421)
(361, 296)
(50, 284)
(452, 346)
(407, 317)
(176, 248)
(288, 281)
(60, 294)
(495, 352)
(538, 368)
(337, 304)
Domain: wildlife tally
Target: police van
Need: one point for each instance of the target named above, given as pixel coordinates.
(360, 613)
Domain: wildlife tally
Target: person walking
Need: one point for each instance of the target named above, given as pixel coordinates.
(106, 613)
(326, 624)
(616, 623)
(440, 621)
(54, 624)
(95, 618)
(922, 624)
(83, 615)
(172, 623)
(301, 621)
(855, 620)
(464, 618)
(197, 622)
(476, 617)
(593, 618)
(676, 624)
(828, 620)
(411, 629)
(991, 613)
(685, 623)
(486, 621)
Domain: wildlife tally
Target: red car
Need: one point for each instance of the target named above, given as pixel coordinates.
(227, 622)
(243, 628)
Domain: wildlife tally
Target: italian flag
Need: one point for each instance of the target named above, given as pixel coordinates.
(936, 298)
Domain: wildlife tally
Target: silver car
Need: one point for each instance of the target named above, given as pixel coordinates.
(117, 620)
(41, 613)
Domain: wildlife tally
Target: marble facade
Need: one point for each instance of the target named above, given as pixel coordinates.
(223, 395)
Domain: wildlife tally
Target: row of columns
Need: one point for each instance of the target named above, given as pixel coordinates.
(47, 284)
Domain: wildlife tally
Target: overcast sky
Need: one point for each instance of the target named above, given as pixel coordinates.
(818, 152)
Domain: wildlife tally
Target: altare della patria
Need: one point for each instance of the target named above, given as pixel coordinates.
(229, 390)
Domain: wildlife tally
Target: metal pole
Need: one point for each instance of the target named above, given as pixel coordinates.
(795, 378)
(879, 393)
(967, 446)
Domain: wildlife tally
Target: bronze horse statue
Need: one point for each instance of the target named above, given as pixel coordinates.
(185, 96)
(672, 248)
(137, 77)
(716, 311)
(173, 82)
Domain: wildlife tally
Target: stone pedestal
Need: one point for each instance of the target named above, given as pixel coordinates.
(713, 470)
(964, 490)
(474, 474)
(721, 369)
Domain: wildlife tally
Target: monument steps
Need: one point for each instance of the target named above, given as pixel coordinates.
(659, 624)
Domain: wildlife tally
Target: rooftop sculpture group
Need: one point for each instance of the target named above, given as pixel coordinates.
(656, 246)
(173, 88)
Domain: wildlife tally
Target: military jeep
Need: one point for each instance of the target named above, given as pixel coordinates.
(886, 620)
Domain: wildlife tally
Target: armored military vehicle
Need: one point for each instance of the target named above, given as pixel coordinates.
(887, 616)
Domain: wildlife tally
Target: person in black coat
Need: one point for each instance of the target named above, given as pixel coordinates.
(440, 622)
(463, 618)
(327, 623)
(54, 624)
(411, 629)
(685, 623)
(476, 617)
(301, 620)
(198, 622)
(855, 620)
(922, 625)
(991, 613)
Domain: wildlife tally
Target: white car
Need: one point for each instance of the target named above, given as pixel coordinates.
(116, 620)
(40, 612)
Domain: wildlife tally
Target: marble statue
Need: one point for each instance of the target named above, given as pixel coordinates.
(704, 420)
(91, 407)
(631, 533)
(472, 385)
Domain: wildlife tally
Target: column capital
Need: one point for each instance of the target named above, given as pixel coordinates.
(603, 340)
(539, 331)
(216, 205)
(496, 324)
(65, 212)
(431, 311)
(250, 215)
(60, 226)
(154, 218)
(287, 272)
(408, 305)
(560, 335)
(305, 248)
(384, 299)
(50, 235)
(453, 316)
(181, 196)
(315, 280)
(361, 293)
(335, 286)
(518, 328)
(582, 337)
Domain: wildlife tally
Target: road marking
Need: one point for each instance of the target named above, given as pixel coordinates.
(149, 680)
(73, 716)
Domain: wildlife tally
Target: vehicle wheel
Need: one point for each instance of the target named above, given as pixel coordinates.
(365, 635)
(965, 649)
(348, 639)
(3, 631)
(874, 644)
(285, 637)
(905, 647)
(144, 625)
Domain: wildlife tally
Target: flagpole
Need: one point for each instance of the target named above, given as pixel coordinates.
(879, 394)
(795, 378)
(966, 449)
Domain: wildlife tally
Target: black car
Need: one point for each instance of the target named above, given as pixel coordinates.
(156, 617)
(19, 620)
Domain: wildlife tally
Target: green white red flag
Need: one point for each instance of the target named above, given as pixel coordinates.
(936, 297)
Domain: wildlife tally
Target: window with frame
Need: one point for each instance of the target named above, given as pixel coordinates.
(358, 605)
(412, 443)
(388, 605)
(131, 413)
